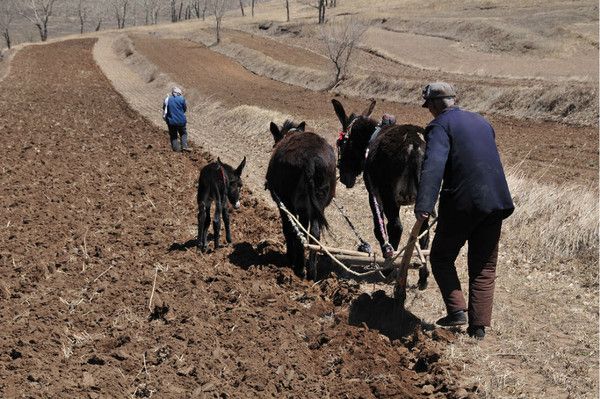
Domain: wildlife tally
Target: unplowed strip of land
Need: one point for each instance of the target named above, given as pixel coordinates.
(102, 294)
(548, 151)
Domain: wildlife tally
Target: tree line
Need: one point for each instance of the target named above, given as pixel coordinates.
(340, 37)
(94, 15)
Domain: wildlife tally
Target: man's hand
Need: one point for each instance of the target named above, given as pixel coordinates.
(421, 215)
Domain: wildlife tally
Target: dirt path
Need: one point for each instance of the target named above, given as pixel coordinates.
(554, 152)
(99, 296)
(424, 51)
(290, 55)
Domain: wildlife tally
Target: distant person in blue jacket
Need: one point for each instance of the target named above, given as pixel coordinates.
(461, 157)
(174, 109)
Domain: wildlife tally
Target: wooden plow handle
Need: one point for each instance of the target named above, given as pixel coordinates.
(402, 273)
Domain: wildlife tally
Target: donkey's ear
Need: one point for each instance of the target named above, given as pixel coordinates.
(240, 168)
(276, 132)
(341, 114)
(301, 126)
(367, 112)
(219, 161)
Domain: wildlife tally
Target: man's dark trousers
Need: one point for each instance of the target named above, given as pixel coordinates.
(174, 133)
(483, 235)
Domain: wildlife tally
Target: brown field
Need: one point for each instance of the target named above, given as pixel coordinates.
(98, 215)
(96, 220)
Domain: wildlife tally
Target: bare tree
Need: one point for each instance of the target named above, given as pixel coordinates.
(320, 5)
(287, 9)
(120, 9)
(340, 38)
(82, 14)
(7, 15)
(252, 7)
(242, 8)
(151, 11)
(218, 7)
(38, 12)
(200, 7)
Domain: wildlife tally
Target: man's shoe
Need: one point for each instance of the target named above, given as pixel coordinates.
(186, 149)
(477, 332)
(457, 318)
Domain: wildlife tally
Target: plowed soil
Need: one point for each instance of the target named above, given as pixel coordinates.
(102, 294)
(547, 151)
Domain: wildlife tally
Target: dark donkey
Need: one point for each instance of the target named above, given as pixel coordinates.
(391, 161)
(301, 174)
(218, 182)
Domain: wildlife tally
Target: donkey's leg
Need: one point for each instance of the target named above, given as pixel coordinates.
(290, 242)
(217, 223)
(394, 226)
(300, 260)
(315, 231)
(203, 223)
(201, 240)
(225, 214)
(379, 227)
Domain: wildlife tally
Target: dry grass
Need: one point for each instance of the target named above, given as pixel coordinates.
(553, 222)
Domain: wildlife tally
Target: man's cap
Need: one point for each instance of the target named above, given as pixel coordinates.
(438, 90)
(176, 90)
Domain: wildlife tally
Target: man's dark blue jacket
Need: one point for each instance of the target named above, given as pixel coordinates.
(176, 108)
(461, 151)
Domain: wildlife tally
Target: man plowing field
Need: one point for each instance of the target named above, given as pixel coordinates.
(461, 156)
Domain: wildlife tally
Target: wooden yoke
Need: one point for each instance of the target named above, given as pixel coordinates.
(402, 273)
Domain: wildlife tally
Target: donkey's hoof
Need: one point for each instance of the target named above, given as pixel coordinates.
(300, 273)
(388, 251)
(423, 276)
(201, 248)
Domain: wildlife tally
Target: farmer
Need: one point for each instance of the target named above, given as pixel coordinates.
(174, 109)
(461, 157)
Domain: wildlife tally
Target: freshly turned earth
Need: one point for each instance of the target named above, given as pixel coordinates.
(97, 218)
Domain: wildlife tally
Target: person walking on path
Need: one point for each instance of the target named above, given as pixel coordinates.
(461, 157)
(174, 109)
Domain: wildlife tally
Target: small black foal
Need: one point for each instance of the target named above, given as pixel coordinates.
(218, 182)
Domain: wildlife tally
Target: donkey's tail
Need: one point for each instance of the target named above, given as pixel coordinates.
(314, 207)
(415, 159)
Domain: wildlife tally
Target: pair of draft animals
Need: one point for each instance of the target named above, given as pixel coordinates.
(302, 176)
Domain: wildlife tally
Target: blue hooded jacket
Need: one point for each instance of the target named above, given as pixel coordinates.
(175, 108)
(461, 150)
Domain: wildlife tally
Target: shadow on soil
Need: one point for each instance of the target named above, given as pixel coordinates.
(176, 246)
(380, 312)
(245, 255)
(377, 311)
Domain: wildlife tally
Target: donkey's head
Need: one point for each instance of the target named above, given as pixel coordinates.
(287, 128)
(353, 141)
(233, 181)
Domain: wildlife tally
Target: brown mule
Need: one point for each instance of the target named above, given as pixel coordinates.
(390, 161)
(301, 174)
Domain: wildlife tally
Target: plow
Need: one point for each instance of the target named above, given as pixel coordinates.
(363, 263)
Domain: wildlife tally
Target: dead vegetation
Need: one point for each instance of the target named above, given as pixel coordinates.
(551, 222)
(341, 37)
